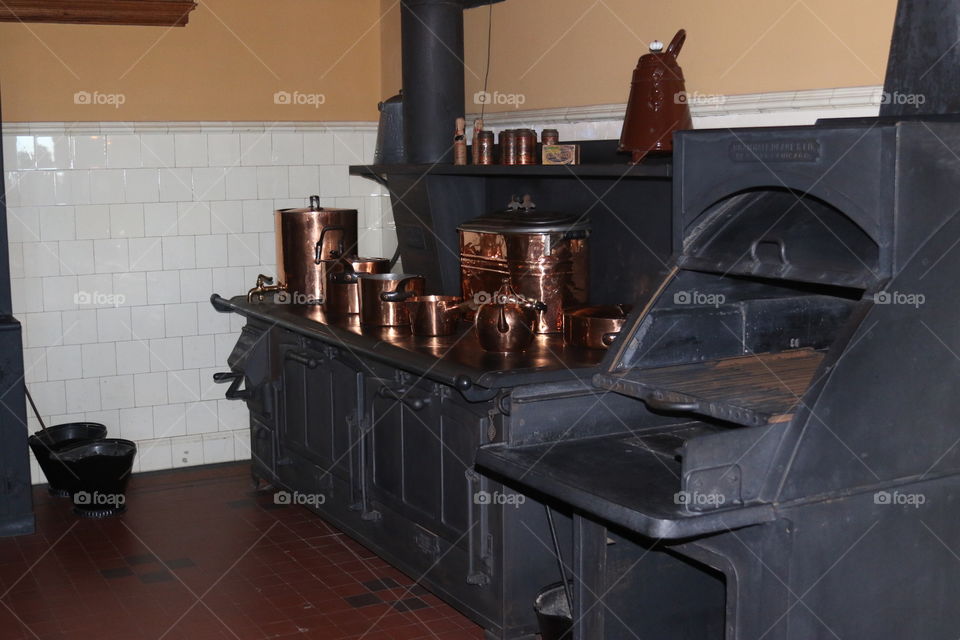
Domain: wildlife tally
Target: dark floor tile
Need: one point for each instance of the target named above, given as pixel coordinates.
(381, 584)
(419, 590)
(410, 604)
(118, 572)
(180, 563)
(304, 580)
(363, 600)
(155, 576)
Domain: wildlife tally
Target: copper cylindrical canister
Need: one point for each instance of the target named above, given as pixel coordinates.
(306, 240)
(343, 288)
(382, 297)
(508, 146)
(550, 136)
(526, 144)
(485, 147)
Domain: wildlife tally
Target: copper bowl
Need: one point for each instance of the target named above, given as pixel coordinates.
(594, 327)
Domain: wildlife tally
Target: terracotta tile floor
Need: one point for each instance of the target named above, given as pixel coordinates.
(199, 556)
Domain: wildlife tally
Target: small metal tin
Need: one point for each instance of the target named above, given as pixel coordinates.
(508, 146)
(550, 136)
(485, 147)
(526, 144)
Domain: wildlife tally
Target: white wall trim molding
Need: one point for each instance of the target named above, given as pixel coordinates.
(759, 109)
(105, 128)
(791, 107)
(842, 102)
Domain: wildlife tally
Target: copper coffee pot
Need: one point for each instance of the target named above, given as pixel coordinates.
(658, 102)
(507, 323)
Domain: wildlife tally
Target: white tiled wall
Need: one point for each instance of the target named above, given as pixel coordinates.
(119, 235)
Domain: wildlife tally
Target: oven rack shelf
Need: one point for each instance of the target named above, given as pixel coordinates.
(751, 390)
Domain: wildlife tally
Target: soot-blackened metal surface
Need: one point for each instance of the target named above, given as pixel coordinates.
(795, 381)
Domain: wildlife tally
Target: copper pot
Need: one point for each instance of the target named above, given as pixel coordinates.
(545, 256)
(658, 102)
(508, 323)
(435, 315)
(382, 296)
(307, 239)
(594, 327)
(342, 287)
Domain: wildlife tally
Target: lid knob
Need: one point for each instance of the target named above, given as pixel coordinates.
(315, 202)
(656, 46)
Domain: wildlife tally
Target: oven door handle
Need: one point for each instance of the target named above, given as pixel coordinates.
(302, 358)
(402, 395)
(662, 404)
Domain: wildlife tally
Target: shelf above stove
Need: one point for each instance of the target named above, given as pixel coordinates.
(655, 168)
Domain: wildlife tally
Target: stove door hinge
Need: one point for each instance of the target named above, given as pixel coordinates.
(479, 540)
(359, 427)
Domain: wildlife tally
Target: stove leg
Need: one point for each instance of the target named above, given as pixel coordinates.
(589, 568)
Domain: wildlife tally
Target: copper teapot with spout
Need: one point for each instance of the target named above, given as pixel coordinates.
(658, 102)
(507, 323)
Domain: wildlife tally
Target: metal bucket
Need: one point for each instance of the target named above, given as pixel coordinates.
(553, 615)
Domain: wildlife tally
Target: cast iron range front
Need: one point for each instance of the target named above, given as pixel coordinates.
(792, 459)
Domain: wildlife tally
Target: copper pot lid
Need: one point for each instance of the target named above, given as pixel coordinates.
(313, 208)
(526, 222)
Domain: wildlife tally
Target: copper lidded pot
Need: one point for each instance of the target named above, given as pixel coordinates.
(342, 284)
(544, 255)
(307, 239)
(382, 296)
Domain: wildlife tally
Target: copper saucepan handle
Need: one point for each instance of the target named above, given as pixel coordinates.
(398, 294)
(347, 276)
(318, 251)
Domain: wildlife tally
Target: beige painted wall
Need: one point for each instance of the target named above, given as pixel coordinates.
(236, 54)
(581, 52)
(225, 65)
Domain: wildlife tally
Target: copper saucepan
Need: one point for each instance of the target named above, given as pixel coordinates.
(435, 315)
(382, 296)
(342, 286)
(594, 327)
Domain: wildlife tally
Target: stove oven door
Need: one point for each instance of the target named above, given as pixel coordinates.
(320, 396)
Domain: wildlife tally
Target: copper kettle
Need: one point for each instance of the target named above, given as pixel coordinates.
(507, 323)
(658, 102)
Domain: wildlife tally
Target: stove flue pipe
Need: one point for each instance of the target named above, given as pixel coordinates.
(432, 40)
